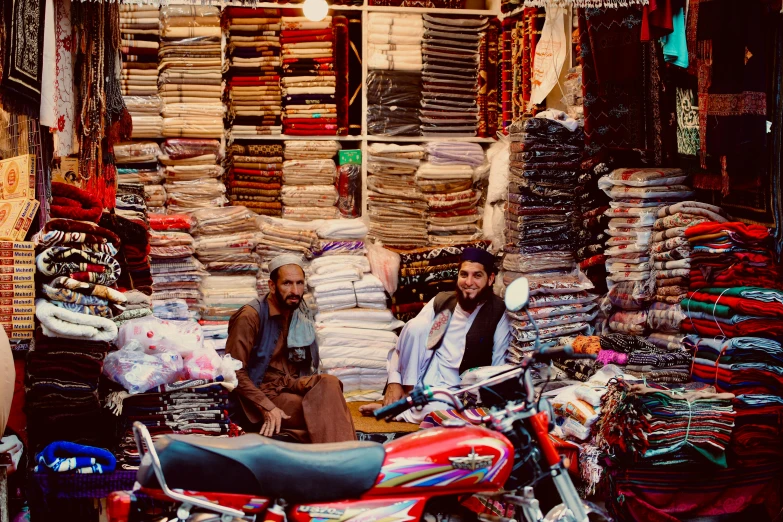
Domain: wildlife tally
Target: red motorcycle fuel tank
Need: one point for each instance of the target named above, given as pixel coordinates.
(443, 461)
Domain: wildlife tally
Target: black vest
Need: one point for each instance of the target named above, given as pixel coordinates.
(480, 339)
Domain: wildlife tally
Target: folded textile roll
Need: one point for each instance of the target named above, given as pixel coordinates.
(59, 322)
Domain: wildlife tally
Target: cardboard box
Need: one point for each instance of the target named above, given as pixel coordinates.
(26, 322)
(19, 334)
(25, 221)
(17, 245)
(17, 257)
(17, 278)
(18, 302)
(11, 217)
(18, 177)
(18, 269)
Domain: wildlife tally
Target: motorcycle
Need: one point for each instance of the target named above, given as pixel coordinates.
(423, 475)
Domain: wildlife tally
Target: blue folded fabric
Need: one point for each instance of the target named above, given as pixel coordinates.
(63, 457)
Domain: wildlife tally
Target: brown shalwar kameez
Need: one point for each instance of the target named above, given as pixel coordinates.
(315, 403)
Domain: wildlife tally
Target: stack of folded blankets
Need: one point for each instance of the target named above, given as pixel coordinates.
(140, 33)
(636, 194)
(354, 327)
(450, 75)
(425, 272)
(176, 275)
(671, 253)
(76, 268)
(191, 72)
(309, 174)
(738, 365)
(396, 206)
(255, 177)
(446, 180)
(282, 236)
(757, 436)
(733, 282)
(137, 162)
(193, 175)
(253, 78)
(394, 79)
(544, 164)
(225, 241)
(196, 407)
(133, 254)
(645, 427)
(309, 77)
(62, 391)
(731, 254)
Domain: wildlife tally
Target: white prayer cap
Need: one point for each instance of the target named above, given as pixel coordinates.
(285, 259)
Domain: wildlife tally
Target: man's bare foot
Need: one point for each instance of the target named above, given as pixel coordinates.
(368, 409)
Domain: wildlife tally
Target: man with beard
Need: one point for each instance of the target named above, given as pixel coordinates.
(454, 332)
(274, 339)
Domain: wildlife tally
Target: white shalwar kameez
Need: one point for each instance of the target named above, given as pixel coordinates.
(408, 361)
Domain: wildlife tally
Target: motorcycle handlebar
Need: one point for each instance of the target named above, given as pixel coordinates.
(393, 409)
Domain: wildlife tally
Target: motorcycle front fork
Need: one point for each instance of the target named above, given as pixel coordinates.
(574, 508)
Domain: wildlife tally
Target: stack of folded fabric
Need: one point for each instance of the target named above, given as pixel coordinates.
(354, 326)
(639, 357)
(309, 174)
(130, 202)
(137, 162)
(396, 206)
(309, 77)
(191, 72)
(75, 255)
(424, 272)
(282, 236)
(137, 304)
(756, 438)
(450, 75)
(544, 164)
(649, 426)
(255, 177)
(671, 253)
(225, 241)
(62, 391)
(739, 365)
(730, 254)
(446, 180)
(635, 196)
(192, 174)
(394, 80)
(140, 33)
(176, 274)
(253, 77)
(196, 406)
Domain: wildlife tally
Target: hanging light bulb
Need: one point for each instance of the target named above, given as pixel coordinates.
(315, 10)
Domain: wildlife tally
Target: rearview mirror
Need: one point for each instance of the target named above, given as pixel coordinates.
(517, 294)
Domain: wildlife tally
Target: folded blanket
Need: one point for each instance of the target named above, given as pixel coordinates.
(58, 322)
(87, 289)
(71, 202)
(62, 456)
(82, 265)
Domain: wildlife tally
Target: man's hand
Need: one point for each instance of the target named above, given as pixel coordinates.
(272, 422)
(394, 392)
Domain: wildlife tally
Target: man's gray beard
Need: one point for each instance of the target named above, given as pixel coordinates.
(471, 304)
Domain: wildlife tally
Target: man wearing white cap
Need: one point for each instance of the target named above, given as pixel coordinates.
(274, 338)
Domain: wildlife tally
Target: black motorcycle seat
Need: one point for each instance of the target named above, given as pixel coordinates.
(255, 465)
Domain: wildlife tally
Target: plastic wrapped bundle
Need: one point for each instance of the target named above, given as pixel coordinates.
(309, 190)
